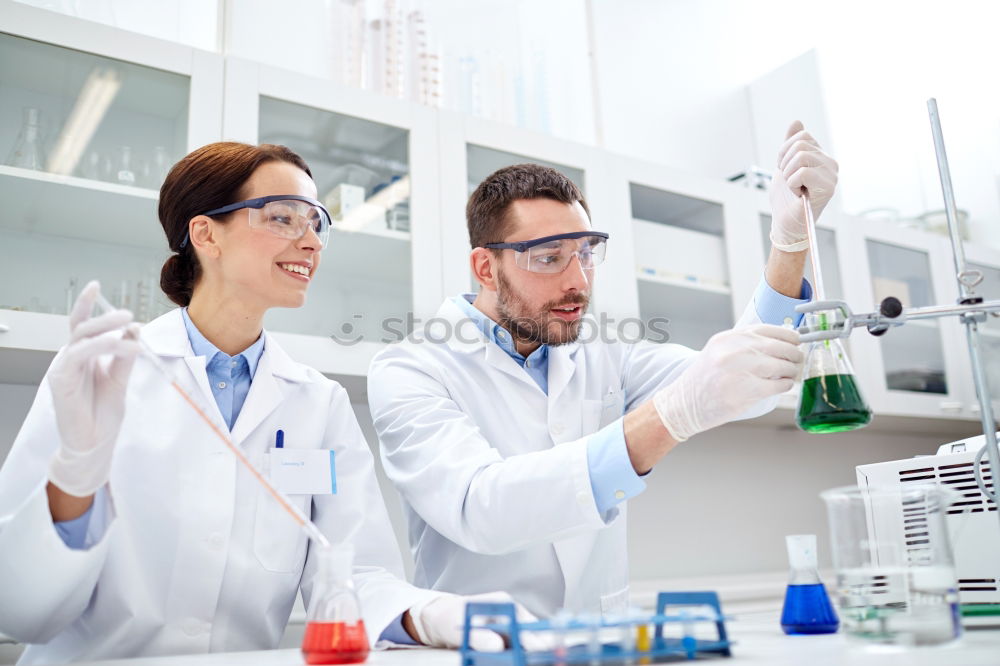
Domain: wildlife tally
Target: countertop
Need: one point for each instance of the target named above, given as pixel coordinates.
(757, 636)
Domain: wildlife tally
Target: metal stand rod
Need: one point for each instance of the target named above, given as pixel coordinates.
(965, 290)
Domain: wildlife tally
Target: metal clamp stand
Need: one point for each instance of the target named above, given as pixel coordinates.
(971, 310)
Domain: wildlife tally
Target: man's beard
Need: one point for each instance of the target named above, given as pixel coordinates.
(535, 327)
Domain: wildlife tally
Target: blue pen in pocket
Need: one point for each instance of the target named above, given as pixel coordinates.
(279, 439)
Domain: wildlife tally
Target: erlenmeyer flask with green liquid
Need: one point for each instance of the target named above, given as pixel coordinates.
(830, 400)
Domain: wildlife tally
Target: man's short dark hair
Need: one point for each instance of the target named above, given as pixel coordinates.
(486, 212)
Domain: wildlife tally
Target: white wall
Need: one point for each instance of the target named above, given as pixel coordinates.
(672, 77)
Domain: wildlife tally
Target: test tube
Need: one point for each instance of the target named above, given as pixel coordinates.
(296, 514)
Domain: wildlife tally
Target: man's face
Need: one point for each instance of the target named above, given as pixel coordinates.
(546, 308)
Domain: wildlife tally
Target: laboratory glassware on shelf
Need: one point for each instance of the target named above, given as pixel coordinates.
(335, 631)
(807, 608)
(830, 400)
(27, 151)
(607, 639)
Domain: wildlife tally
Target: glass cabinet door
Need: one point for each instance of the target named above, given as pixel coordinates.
(363, 289)
(989, 289)
(681, 265)
(913, 354)
(85, 142)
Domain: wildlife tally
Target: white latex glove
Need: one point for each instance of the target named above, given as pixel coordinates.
(440, 622)
(737, 369)
(88, 392)
(801, 164)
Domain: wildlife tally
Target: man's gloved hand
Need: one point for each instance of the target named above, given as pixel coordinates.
(801, 163)
(737, 369)
(440, 621)
(88, 382)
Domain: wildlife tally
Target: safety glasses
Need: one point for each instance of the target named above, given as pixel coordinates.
(552, 254)
(284, 215)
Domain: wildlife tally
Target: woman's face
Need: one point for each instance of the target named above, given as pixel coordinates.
(254, 262)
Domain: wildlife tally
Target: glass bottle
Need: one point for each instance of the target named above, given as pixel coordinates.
(335, 631)
(807, 608)
(27, 151)
(126, 176)
(830, 400)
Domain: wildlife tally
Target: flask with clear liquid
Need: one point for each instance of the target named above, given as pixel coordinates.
(335, 631)
(807, 608)
(830, 400)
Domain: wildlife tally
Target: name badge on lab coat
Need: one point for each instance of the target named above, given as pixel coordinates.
(304, 471)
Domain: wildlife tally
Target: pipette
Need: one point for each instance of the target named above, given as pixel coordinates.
(296, 514)
(819, 293)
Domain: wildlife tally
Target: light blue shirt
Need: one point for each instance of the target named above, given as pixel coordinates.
(612, 477)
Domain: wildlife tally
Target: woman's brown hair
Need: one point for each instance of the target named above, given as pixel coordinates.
(207, 178)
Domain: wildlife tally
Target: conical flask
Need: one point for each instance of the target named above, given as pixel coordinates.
(27, 152)
(830, 400)
(807, 608)
(335, 632)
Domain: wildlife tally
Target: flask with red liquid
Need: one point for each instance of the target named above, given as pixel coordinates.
(335, 632)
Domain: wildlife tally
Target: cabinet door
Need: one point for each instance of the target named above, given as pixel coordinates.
(373, 162)
(987, 262)
(917, 366)
(86, 138)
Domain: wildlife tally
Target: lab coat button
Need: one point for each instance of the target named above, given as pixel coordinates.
(582, 499)
(557, 428)
(192, 627)
(216, 541)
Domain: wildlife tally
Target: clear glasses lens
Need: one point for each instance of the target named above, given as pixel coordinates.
(289, 218)
(555, 256)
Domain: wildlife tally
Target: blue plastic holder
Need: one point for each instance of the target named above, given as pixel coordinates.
(661, 648)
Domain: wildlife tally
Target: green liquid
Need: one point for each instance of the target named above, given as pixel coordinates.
(832, 403)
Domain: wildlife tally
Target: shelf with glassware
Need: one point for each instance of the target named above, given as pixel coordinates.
(375, 167)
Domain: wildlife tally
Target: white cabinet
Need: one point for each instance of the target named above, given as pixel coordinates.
(90, 120)
(682, 248)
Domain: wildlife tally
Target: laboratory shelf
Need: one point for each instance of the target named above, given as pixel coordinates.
(695, 311)
(71, 207)
(684, 282)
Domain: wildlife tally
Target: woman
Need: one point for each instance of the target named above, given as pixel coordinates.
(126, 527)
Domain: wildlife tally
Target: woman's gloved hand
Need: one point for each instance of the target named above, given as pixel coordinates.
(88, 380)
(736, 369)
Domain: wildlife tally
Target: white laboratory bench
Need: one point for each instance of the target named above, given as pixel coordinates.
(757, 635)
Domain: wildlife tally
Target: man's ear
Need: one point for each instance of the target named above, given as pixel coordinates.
(483, 264)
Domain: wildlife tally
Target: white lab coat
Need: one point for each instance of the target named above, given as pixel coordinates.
(493, 472)
(197, 557)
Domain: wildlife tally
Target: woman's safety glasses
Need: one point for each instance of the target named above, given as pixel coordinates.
(552, 254)
(284, 215)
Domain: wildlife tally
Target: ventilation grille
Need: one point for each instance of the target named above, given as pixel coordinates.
(977, 584)
(960, 478)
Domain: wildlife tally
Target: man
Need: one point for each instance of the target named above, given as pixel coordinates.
(513, 446)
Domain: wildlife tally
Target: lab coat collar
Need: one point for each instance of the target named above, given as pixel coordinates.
(167, 336)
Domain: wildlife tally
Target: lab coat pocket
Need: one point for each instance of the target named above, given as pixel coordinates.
(612, 407)
(278, 543)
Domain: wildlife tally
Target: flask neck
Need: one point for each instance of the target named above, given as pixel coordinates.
(803, 576)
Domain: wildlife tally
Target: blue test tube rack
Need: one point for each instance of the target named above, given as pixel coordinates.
(661, 647)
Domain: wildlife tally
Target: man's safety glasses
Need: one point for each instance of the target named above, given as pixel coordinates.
(284, 215)
(552, 254)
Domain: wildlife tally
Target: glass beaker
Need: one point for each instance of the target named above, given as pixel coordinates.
(126, 176)
(807, 608)
(335, 631)
(896, 582)
(830, 400)
(27, 151)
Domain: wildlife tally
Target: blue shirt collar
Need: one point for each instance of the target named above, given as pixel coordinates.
(494, 332)
(202, 347)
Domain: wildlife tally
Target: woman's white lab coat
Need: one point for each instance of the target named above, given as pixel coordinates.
(494, 472)
(195, 556)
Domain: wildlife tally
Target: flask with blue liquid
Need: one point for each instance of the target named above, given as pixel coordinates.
(807, 607)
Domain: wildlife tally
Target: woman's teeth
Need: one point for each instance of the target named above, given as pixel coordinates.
(295, 268)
